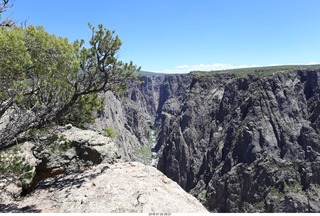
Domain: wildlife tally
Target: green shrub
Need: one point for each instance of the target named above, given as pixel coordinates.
(109, 132)
(143, 153)
(202, 195)
(15, 166)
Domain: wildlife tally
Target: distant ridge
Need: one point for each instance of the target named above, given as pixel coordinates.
(260, 71)
(148, 73)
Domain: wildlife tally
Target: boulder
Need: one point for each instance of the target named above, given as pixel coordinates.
(74, 150)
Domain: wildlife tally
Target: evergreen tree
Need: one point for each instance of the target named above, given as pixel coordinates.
(46, 80)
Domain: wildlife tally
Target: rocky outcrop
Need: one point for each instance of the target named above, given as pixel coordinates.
(70, 149)
(81, 171)
(243, 144)
(121, 187)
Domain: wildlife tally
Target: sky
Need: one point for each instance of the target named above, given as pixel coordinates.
(177, 36)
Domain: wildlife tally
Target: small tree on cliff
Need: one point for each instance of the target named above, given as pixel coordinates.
(45, 80)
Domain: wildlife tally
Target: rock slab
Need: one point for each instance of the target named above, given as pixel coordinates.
(129, 187)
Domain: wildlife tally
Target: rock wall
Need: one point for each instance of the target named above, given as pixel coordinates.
(131, 115)
(243, 144)
(238, 144)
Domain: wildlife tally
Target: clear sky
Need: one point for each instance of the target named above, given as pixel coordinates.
(184, 35)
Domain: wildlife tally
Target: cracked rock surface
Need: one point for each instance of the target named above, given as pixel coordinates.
(129, 187)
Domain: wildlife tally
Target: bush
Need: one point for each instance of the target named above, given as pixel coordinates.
(109, 132)
(14, 166)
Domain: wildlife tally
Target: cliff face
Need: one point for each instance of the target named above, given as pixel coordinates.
(131, 116)
(238, 144)
(243, 144)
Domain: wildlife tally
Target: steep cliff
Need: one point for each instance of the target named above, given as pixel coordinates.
(131, 116)
(243, 144)
(237, 143)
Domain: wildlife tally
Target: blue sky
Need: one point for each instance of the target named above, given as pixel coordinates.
(185, 35)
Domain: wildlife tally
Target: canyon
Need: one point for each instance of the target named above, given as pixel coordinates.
(237, 143)
(196, 142)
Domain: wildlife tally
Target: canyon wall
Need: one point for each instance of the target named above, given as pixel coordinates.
(243, 144)
(130, 116)
(237, 143)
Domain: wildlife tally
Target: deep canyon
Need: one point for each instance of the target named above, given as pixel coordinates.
(237, 143)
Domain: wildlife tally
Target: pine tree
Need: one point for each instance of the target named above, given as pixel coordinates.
(45, 80)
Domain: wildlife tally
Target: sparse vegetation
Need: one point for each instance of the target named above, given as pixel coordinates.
(202, 195)
(143, 154)
(109, 132)
(15, 167)
(259, 71)
(275, 192)
(258, 207)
